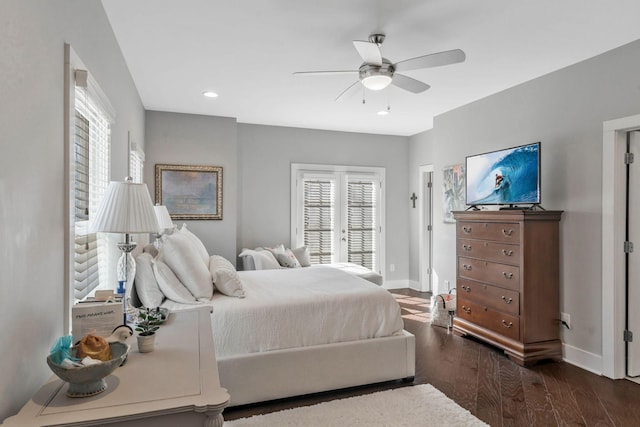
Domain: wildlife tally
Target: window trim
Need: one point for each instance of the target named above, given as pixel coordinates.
(361, 171)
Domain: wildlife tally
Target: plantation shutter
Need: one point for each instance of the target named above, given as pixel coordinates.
(319, 221)
(361, 222)
(92, 140)
(136, 163)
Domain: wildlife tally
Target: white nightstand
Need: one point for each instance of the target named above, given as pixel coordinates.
(175, 385)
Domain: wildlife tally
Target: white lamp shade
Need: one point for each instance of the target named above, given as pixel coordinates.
(125, 208)
(163, 217)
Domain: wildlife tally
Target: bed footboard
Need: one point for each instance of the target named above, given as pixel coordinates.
(259, 377)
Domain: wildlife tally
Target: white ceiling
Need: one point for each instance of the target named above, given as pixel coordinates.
(247, 50)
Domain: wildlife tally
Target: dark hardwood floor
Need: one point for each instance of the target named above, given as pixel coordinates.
(483, 380)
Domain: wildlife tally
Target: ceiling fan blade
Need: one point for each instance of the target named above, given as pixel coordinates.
(344, 92)
(409, 83)
(432, 60)
(323, 73)
(369, 52)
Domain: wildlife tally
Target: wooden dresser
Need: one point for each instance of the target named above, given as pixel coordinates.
(507, 281)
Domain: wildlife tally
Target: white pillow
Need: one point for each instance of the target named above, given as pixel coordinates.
(302, 255)
(179, 254)
(197, 244)
(146, 285)
(287, 259)
(263, 260)
(225, 277)
(170, 285)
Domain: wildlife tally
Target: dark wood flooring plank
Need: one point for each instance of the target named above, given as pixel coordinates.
(537, 399)
(586, 397)
(489, 403)
(620, 399)
(465, 390)
(565, 406)
(514, 409)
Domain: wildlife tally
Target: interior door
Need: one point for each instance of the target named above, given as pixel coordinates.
(427, 256)
(633, 257)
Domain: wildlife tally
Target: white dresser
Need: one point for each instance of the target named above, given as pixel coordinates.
(175, 385)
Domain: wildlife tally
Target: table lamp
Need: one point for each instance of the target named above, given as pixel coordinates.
(125, 208)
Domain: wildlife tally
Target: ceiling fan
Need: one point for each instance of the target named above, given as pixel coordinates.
(377, 72)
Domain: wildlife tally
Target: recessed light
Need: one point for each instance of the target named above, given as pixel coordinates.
(383, 112)
(210, 94)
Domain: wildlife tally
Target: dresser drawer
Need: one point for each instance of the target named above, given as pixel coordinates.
(501, 299)
(495, 231)
(492, 251)
(507, 276)
(487, 317)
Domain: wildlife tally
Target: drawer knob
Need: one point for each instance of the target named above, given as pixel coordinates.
(507, 325)
(507, 233)
(507, 300)
(466, 229)
(466, 267)
(466, 247)
(507, 275)
(507, 253)
(466, 309)
(466, 288)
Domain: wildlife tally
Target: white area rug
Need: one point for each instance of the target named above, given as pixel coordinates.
(417, 406)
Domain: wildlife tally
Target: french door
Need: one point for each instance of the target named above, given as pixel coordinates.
(337, 213)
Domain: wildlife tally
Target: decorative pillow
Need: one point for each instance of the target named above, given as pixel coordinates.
(170, 285)
(225, 277)
(302, 255)
(151, 250)
(197, 244)
(146, 285)
(263, 260)
(288, 259)
(181, 256)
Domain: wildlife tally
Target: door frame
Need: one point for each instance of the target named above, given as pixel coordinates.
(426, 279)
(613, 235)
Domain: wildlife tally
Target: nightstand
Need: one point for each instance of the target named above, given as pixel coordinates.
(177, 384)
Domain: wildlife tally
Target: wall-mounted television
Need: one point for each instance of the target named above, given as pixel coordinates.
(504, 177)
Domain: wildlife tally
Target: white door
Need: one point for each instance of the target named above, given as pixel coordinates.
(633, 260)
(426, 228)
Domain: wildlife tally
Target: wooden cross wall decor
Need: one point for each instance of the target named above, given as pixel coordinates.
(413, 198)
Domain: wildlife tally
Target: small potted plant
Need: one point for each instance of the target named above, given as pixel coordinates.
(149, 320)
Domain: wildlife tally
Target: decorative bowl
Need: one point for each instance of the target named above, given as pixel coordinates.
(89, 380)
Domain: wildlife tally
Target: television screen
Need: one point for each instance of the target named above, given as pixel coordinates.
(504, 177)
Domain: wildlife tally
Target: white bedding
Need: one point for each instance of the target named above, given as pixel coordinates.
(291, 308)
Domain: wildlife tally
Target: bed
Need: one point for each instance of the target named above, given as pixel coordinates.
(304, 330)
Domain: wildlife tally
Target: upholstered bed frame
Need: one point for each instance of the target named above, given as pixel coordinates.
(258, 377)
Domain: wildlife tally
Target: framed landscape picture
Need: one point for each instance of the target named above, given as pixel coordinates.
(190, 192)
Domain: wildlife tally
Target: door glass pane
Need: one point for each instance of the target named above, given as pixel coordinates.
(319, 221)
(361, 223)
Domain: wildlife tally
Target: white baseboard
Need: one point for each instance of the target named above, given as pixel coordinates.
(582, 359)
(396, 284)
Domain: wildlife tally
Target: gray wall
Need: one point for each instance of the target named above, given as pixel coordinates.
(32, 175)
(565, 111)
(266, 154)
(187, 139)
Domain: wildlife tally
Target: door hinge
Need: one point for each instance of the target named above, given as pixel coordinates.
(627, 335)
(628, 158)
(628, 247)
(429, 184)
(429, 228)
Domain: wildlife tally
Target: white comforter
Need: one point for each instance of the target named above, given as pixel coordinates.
(298, 307)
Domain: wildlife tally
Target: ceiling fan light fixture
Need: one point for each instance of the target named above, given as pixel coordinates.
(376, 82)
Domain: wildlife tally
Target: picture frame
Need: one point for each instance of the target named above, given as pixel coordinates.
(453, 191)
(190, 192)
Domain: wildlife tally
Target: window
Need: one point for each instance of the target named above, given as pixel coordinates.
(91, 133)
(136, 162)
(337, 213)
